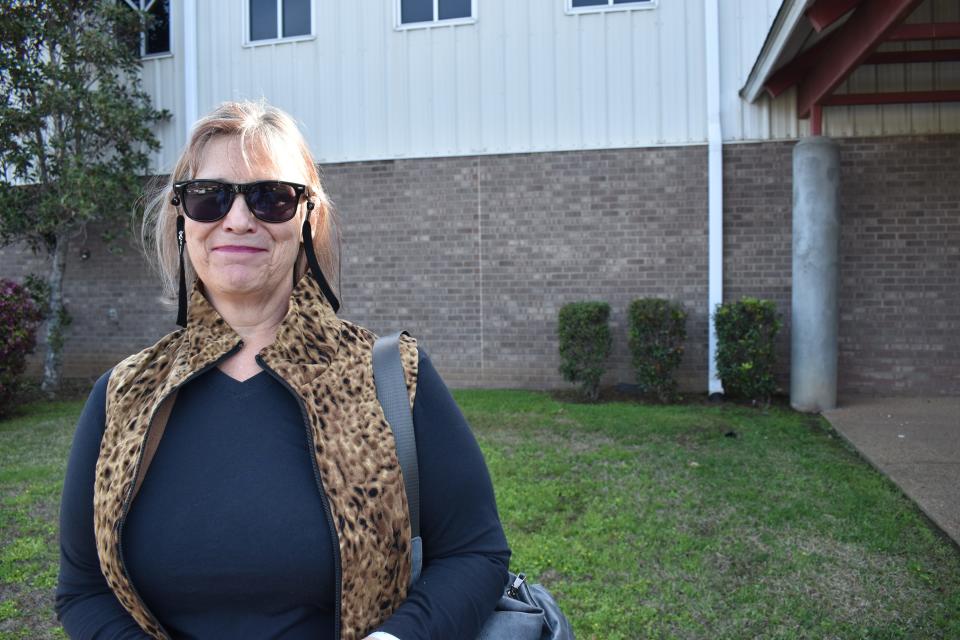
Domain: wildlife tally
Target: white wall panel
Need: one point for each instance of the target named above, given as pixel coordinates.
(567, 79)
(696, 71)
(373, 77)
(592, 69)
(350, 72)
(468, 91)
(524, 77)
(516, 56)
(160, 80)
(491, 72)
(648, 79)
(673, 60)
(619, 65)
(421, 91)
(542, 71)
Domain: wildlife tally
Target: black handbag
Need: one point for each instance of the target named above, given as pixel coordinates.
(525, 611)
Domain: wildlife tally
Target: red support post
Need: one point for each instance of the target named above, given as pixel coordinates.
(816, 120)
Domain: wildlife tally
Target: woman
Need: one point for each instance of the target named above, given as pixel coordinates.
(238, 478)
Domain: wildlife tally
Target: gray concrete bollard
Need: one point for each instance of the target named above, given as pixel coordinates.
(816, 238)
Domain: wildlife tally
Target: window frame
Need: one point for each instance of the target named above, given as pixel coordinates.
(143, 34)
(436, 22)
(248, 43)
(645, 5)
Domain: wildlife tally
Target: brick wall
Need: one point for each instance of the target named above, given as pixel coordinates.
(546, 229)
(899, 330)
(900, 265)
(112, 297)
(539, 230)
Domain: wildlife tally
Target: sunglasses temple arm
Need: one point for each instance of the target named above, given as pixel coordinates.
(182, 293)
(315, 266)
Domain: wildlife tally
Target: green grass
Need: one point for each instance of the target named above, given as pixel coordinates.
(644, 521)
(33, 456)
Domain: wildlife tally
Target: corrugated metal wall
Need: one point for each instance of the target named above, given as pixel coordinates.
(524, 77)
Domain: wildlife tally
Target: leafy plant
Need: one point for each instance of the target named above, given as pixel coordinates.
(746, 332)
(75, 132)
(19, 318)
(657, 329)
(585, 343)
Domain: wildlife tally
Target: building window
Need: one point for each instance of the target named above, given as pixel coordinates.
(155, 38)
(424, 13)
(272, 20)
(584, 6)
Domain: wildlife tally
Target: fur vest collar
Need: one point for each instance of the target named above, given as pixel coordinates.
(327, 364)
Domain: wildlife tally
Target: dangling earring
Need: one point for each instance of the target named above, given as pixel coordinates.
(312, 261)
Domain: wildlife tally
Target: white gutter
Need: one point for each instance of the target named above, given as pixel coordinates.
(715, 184)
(190, 99)
(784, 24)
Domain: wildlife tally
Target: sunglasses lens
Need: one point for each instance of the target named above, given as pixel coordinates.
(207, 201)
(272, 201)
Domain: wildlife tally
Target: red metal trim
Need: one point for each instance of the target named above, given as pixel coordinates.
(825, 12)
(928, 31)
(792, 72)
(846, 48)
(927, 55)
(816, 120)
(785, 77)
(891, 97)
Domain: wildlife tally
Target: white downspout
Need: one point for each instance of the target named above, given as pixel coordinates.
(715, 182)
(190, 98)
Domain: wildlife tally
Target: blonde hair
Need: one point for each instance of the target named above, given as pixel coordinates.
(265, 134)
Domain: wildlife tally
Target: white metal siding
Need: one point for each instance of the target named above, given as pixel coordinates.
(524, 77)
(163, 79)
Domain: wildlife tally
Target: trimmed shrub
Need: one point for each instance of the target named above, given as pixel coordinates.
(746, 331)
(585, 342)
(19, 317)
(657, 329)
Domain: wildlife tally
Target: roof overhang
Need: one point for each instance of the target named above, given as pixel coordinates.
(784, 40)
(815, 45)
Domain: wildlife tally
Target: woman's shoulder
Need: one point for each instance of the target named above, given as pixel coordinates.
(149, 357)
(356, 336)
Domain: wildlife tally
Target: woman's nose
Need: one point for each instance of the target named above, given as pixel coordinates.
(239, 219)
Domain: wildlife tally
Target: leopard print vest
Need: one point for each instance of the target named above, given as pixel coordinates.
(327, 364)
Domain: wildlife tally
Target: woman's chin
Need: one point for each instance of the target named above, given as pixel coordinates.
(240, 282)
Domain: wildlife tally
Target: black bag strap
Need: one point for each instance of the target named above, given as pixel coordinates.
(395, 400)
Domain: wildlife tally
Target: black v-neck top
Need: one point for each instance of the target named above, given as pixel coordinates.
(227, 537)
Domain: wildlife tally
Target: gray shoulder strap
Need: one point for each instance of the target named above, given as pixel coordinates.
(395, 400)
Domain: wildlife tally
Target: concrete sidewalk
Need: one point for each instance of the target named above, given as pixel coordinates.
(914, 441)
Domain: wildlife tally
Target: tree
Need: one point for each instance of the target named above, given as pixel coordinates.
(75, 132)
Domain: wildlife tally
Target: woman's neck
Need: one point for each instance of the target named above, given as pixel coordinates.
(256, 320)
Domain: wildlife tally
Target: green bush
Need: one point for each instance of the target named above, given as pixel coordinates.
(657, 329)
(585, 342)
(746, 332)
(19, 317)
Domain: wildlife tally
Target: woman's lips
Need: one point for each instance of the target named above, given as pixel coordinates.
(233, 248)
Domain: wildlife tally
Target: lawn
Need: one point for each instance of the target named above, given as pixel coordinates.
(684, 521)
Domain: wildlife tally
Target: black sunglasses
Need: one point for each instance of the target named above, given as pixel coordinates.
(210, 200)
